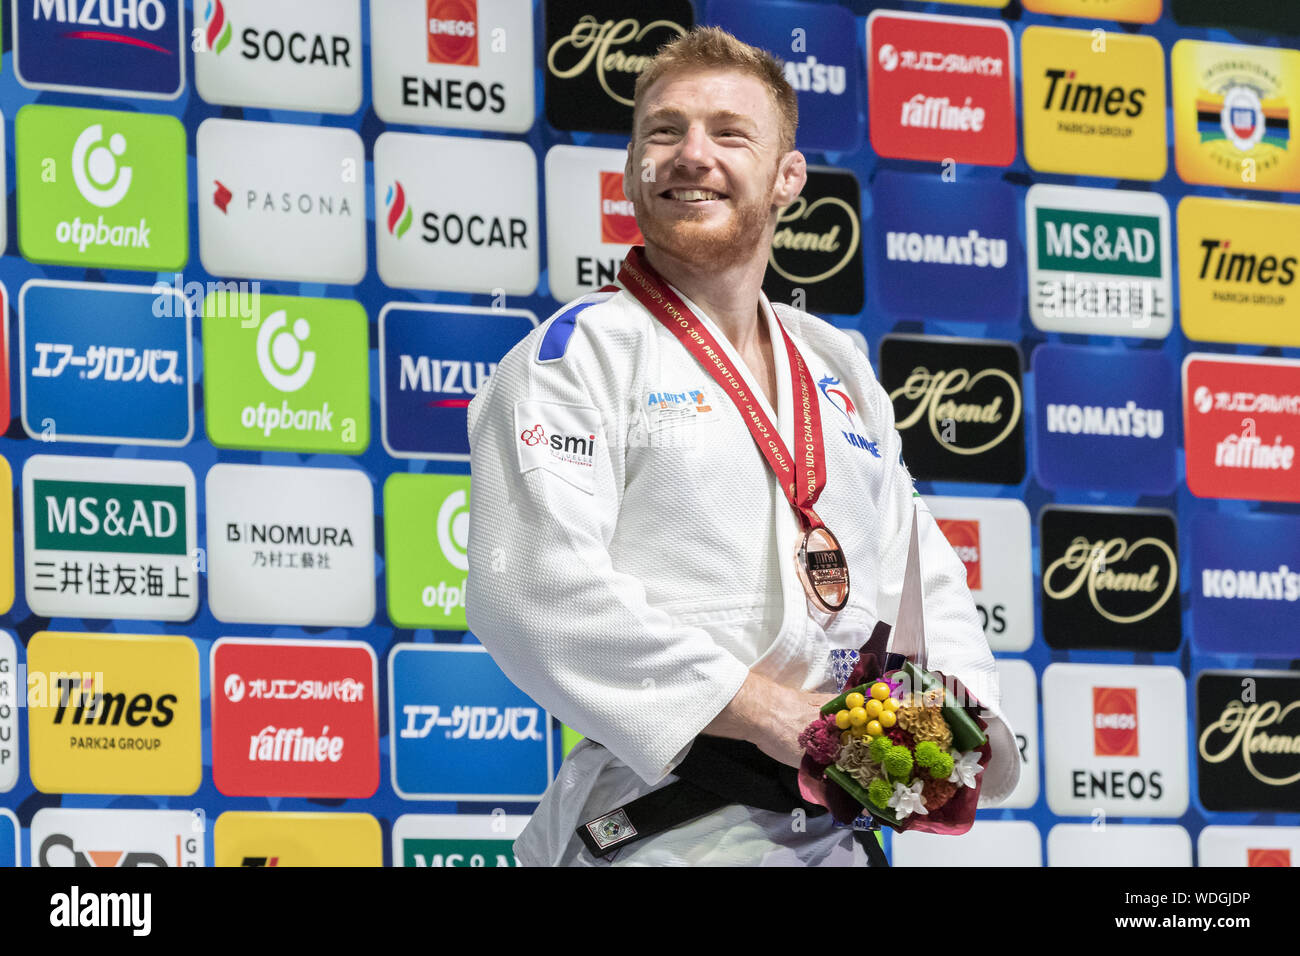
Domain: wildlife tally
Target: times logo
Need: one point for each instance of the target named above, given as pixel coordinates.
(1114, 721)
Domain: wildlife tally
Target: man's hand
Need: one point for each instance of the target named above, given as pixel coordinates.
(769, 716)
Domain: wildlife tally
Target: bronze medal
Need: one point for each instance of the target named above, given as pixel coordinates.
(823, 570)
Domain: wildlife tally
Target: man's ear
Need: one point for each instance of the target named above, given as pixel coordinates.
(628, 191)
(791, 175)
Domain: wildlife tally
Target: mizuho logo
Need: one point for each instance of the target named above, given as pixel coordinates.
(280, 355)
(453, 529)
(95, 170)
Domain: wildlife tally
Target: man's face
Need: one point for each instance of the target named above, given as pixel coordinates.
(704, 166)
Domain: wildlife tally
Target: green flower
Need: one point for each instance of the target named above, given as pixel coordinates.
(879, 793)
(879, 747)
(927, 752)
(941, 769)
(898, 762)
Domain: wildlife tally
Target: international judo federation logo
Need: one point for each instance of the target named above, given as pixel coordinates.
(611, 828)
(533, 436)
(218, 30)
(399, 211)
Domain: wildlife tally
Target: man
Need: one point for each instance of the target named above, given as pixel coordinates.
(632, 555)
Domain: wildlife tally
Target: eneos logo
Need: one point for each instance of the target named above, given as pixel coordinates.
(939, 88)
(964, 536)
(1238, 261)
(281, 60)
(124, 47)
(1114, 721)
(1094, 113)
(113, 713)
(295, 719)
(1262, 856)
(101, 188)
(1233, 106)
(426, 525)
(294, 380)
(617, 217)
(453, 31)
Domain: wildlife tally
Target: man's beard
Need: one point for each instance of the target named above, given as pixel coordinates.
(690, 240)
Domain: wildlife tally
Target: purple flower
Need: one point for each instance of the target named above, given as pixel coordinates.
(821, 740)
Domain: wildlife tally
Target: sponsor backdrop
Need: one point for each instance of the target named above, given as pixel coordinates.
(259, 255)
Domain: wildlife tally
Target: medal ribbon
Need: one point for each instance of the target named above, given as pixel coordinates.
(803, 481)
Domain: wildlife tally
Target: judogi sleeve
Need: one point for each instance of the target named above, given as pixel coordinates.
(955, 639)
(567, 627)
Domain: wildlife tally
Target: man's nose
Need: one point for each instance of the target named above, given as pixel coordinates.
(695, 150)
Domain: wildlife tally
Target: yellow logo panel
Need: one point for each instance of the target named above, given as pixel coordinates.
(981, 3)
(297, 839)
(113, 713)
(1128, 11)
(1094, 105)
(1234, 110)
(6, 537)
(1238, 263)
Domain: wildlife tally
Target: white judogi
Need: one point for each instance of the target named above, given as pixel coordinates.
(629, 591)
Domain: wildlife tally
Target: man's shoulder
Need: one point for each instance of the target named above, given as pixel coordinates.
(580, 325)
(833, 345)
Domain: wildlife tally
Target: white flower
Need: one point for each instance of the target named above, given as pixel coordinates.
(908, 799)
(964, 768)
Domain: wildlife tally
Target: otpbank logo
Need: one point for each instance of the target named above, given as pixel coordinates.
(426, 527)
(123, 47)
(294, 379)
(243, 838)
(104, 363)
(1094, 110)
(1238, 262)
(295, 718)
(1241, 419)
(101, 188)
(433, 360)
(1126, 11)
(113, 713)
(271, 54)
(941, 88)
(1233, 110)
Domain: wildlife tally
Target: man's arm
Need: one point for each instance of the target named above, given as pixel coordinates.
(576, 635)
(955, 641)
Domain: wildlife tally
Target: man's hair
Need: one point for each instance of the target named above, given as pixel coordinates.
(712, 48)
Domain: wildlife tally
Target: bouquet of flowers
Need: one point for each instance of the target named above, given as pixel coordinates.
(908, 744)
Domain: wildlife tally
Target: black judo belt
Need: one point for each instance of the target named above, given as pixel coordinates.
(717, 772)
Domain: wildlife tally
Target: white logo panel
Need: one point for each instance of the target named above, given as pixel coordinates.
(117, 838)
(1019, 687)
(992, 534)
(290, 545)
(278, 201)
(580, 254)
(987, 843)
(1118, 845)
(281, 54)
(9, 702)
(1115, 740)
(456, 214)
(481, 79)
(1248, 846)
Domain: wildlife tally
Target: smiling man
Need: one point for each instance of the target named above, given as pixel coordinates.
(645, 557)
